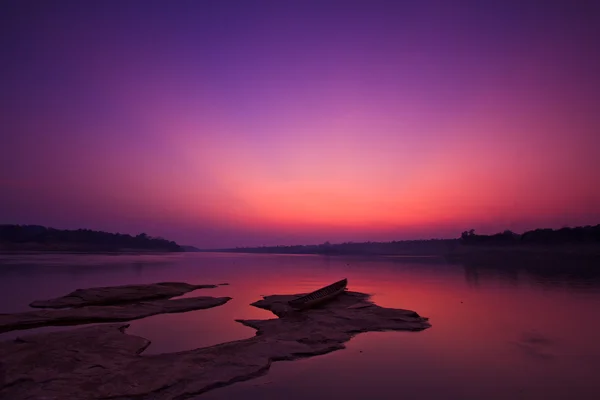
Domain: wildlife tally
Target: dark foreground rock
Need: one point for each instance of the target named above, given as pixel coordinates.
(96, 314)
(102, 362)
(119, 294)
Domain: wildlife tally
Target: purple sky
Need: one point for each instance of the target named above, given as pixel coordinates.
(230, 123)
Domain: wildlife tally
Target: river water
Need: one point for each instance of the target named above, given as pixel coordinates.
(512, 332)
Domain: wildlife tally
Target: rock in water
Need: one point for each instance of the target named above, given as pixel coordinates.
(102, 362)
(96, 314)
(119, 294)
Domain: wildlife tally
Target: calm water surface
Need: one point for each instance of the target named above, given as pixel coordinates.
(497, 333)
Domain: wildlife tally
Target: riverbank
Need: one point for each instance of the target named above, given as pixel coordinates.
(46, 239)
(451, 250)
(91, 252)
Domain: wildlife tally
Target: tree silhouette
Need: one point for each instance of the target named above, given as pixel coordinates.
(81, 239)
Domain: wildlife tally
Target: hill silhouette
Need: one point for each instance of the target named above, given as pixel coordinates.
(41, 238)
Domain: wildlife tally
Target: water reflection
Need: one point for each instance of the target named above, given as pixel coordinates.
(514, 330)
(573, 274)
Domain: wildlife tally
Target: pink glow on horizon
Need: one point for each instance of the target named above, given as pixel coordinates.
(370, 130)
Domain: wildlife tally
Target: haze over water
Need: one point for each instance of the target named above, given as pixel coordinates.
(508, 332)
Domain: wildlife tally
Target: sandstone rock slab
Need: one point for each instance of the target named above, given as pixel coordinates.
(97, 314)
(103, 362)
(111, 295)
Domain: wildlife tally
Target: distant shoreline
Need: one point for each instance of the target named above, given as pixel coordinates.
(37, 238)
(99, 252)
(564, 243)
(574, 242)
(454, 252)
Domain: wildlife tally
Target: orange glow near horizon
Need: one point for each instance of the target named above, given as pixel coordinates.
(345, 131)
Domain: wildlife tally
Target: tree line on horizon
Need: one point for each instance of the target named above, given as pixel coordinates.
(580, 234)
(41, 237)
(586, 234)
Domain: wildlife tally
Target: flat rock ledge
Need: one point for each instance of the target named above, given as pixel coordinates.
(103, 362)
(97, 314)
(112, 295)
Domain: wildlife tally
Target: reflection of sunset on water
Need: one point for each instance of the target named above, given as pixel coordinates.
(520, 326)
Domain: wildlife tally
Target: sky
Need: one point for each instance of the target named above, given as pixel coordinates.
(243, 123)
